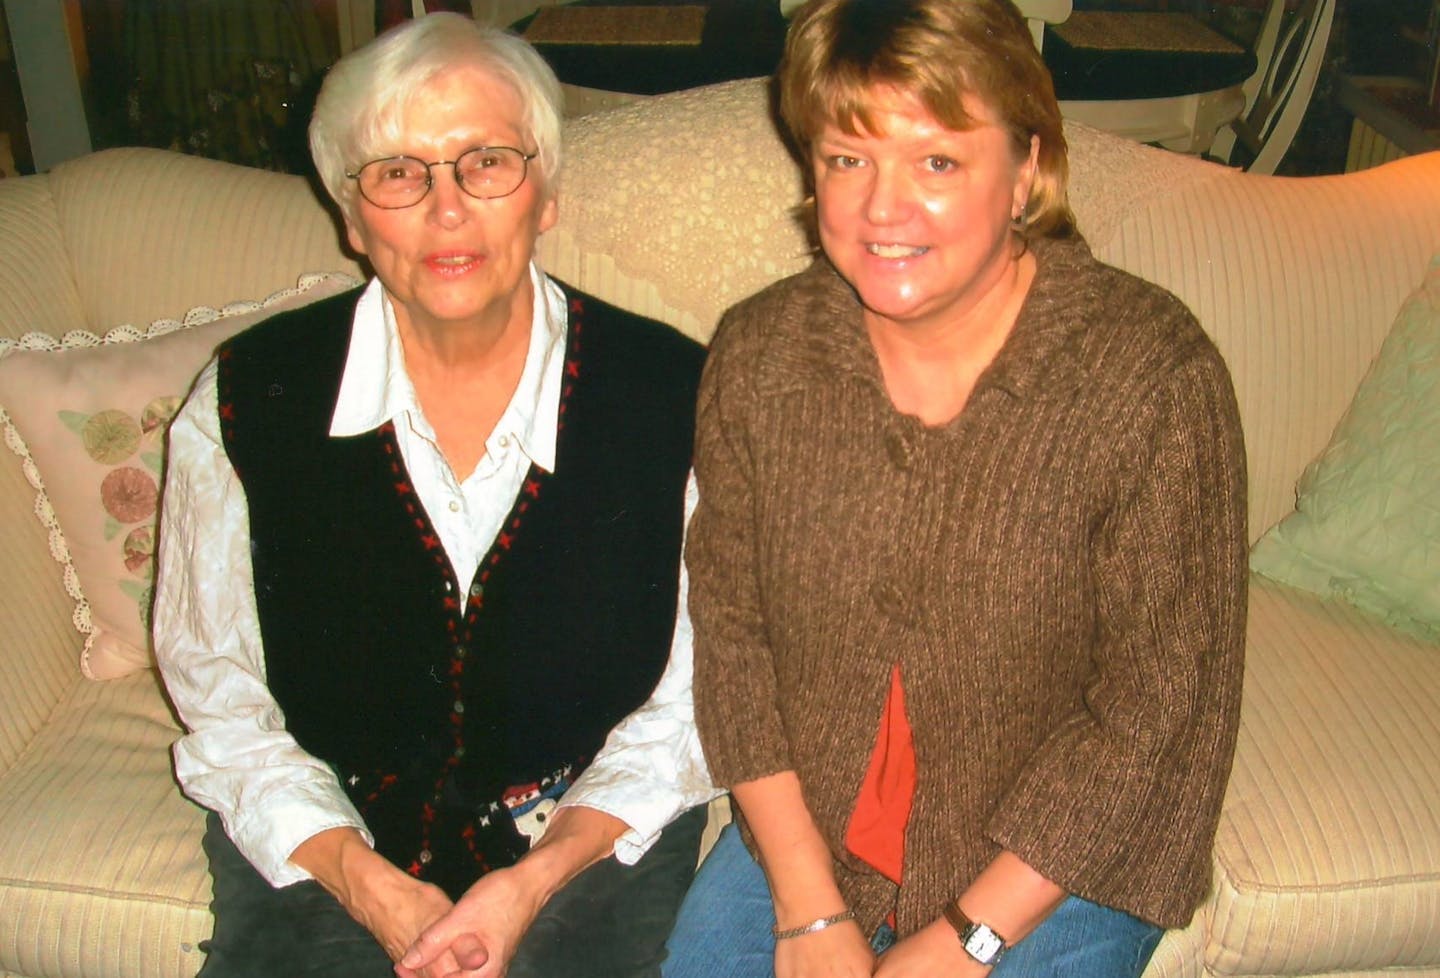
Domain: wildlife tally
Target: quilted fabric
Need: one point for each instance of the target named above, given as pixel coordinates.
(1366, 525)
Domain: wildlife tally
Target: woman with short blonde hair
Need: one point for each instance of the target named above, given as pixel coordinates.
(968, 569)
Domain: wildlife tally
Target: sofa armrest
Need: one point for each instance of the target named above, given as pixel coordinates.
(150, 233)
(37, 289)
(39, 647)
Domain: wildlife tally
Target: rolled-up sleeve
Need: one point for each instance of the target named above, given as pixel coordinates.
(237, 757)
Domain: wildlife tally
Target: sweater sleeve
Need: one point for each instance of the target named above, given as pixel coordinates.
(735, 689)
(1124, 796)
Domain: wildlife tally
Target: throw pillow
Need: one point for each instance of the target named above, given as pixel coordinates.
(1366, 526)
(87, 415)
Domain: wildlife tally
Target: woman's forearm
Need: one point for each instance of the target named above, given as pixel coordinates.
(1010, 897)
(341, 861)
(793, 853)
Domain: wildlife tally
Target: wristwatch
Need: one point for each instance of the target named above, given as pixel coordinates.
(979, 940)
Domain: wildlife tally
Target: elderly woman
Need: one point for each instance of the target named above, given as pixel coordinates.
(421, 554)
(968, 570)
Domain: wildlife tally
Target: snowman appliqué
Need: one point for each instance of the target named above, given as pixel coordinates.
(531, 805)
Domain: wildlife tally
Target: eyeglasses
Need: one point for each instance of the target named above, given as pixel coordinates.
(484, 173)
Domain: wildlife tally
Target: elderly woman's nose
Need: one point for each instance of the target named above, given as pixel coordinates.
(447, 202)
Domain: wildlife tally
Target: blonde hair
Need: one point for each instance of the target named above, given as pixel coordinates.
(359, 113)
(940, 52)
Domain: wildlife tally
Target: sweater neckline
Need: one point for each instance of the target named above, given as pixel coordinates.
(1040, 358)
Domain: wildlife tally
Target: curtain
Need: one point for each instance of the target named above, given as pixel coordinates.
(229, 79)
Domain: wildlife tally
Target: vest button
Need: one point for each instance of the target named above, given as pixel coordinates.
(425, 856)
(459, 706)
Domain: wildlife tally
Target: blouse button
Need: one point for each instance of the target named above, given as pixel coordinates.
(504, 441)
(454, 506)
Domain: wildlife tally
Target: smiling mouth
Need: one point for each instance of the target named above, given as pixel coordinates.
(896, 250)
(453, 261)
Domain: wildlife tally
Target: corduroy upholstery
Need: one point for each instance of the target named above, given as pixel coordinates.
(1328, 856)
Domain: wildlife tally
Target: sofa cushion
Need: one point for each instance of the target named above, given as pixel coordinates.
(88, 416)
(101, 870)
(1366, 525)
(1328, 851)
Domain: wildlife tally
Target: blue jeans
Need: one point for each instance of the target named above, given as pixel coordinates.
(724, 930)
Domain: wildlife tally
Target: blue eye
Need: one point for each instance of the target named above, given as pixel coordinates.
(939, 164)
(840, 161)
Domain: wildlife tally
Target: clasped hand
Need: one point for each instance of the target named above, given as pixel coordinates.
(842, 952)
(477, 937)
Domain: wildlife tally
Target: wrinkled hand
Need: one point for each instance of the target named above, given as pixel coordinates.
(395, 907)
(838, 951)
(932, 950)
(480, 933)
(388, 902)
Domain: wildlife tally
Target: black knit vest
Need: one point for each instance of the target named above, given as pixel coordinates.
(432, 697)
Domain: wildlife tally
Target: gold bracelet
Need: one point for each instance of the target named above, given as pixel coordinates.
(818, 924)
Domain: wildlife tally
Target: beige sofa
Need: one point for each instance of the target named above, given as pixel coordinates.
(1328, 857)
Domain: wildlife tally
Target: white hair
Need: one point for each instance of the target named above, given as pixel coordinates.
(359, 113)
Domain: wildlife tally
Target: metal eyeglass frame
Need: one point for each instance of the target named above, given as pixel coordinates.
(525, 159)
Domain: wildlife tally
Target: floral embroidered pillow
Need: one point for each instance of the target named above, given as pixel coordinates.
(87, 415)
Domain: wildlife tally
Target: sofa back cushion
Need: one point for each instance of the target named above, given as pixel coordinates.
(1298, 282)
(149, 233)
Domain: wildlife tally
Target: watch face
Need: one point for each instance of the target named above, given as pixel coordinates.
(984, 944)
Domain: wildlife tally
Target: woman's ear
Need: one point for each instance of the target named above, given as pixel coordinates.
(356, 239)
(1025, 177)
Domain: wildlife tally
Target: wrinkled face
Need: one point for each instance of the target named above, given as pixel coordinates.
(452, 260)
(915, 216)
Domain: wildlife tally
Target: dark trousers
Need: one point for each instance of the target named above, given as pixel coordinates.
(610, 922)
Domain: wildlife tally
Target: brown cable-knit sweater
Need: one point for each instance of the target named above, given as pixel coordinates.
(1059, 572)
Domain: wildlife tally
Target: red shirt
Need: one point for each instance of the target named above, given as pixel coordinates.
(877, 826)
